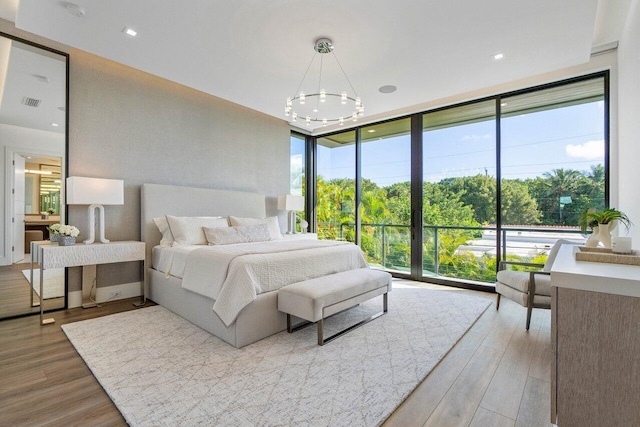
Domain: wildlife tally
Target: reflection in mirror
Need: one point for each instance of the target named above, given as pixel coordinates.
(33, 103)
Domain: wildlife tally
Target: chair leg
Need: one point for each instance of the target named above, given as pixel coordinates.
(498, 302)
(529, 310)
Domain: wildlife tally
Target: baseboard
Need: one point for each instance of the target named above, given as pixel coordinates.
(127, 290)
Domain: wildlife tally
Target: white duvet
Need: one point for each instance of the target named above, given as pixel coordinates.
(233, 275)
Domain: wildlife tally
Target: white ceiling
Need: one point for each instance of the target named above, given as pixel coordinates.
(255, 52)
(37, 74)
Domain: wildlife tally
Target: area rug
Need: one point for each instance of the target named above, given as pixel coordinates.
(53, 286)
(161, 370)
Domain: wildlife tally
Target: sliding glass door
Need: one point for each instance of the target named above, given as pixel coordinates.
(385, 210)
(336, 187)
(459, 193)
(553, 165)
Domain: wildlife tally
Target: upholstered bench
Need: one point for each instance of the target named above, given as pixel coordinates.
(316, 299)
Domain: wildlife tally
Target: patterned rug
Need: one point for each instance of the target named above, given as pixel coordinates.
(53, 285)
(161, 370)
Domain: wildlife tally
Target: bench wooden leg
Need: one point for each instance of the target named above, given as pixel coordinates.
(289, 323)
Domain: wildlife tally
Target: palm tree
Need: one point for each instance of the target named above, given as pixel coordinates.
(561, 182)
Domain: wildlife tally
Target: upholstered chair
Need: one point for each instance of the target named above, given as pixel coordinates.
(530, 289)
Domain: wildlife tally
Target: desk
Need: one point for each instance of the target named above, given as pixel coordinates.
(595, 319)
(51, 255)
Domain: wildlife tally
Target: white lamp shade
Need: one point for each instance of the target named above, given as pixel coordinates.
(287, 202)
(94, 191)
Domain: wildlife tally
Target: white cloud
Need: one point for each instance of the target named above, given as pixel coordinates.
(475, 137)
(589, 150)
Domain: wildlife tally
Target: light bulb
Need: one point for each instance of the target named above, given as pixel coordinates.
(308, 120)
(324, 122)
(358, 102)
(323, 96)
(294, 116)
(343, 98)
(302, 98)
(354, 117)
(341, 121)
(288, 102)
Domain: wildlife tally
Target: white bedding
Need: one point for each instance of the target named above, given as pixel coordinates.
(233, 275)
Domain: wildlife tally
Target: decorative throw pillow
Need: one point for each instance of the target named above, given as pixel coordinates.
(163, 226)
(188, 230)
(272, 223)
(240, 234)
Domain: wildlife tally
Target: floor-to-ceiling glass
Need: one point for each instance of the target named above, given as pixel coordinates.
(459, 192)
(385, 235)
(553, 165)
(336, 186)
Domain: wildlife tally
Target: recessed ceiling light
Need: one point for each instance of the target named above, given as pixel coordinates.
(29, 157)
(387, 89)
(315, 110)
(130, 31)
(371, 131)
(498, 56)
(55, 125)
(74, 10)
(504, 104)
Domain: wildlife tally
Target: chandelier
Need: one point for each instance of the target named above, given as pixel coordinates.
(324, 106)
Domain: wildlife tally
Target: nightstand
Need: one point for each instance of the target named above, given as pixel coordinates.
(52, 255)
(301, 236)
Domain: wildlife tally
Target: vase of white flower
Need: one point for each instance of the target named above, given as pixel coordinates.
(67, 235)
(54, 232)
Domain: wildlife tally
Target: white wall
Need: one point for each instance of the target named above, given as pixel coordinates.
(127, 124)
(28, 141)
(629, 120)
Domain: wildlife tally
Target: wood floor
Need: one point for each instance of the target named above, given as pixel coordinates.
(15, 293)
(497, 375)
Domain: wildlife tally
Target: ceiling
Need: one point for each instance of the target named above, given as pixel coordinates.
(255, 52)
(34, 74)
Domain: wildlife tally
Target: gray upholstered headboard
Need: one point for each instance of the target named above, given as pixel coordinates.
(159, 200)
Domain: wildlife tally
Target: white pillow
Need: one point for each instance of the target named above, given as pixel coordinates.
(163, 226)
(272, 223)
(188, 230)
(241, 234)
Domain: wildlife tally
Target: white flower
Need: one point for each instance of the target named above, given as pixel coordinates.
(55, 228)
(68, 230)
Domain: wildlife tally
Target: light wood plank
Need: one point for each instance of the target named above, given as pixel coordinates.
(423, 400)
(460, 403)
(536, 401)
(486, 418)
(507, 385)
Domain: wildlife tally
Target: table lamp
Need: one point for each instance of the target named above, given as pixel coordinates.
(95, 192)
(291, 204)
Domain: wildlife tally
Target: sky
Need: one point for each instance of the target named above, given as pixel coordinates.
(534, 143)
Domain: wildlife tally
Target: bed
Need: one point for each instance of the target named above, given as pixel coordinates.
(253, 315)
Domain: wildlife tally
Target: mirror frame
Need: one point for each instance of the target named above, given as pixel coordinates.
(65, 166)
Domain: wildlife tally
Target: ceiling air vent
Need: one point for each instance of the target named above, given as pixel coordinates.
(31, 102)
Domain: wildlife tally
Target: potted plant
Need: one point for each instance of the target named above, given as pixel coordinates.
(602, 223)
(67, 234)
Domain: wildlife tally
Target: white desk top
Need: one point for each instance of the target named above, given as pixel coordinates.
(616, 279)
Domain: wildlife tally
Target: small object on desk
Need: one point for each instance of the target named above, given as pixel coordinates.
(621, 245)
(583, 253)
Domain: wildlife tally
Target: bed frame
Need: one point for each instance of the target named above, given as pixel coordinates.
(259, 319)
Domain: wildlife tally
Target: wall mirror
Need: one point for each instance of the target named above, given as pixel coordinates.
(33, 150)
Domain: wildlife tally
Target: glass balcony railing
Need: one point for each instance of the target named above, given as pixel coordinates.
(455, 252)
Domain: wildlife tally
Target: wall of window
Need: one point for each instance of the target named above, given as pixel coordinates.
(445, 195)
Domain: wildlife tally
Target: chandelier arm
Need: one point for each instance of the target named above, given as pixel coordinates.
(305, 76)
(345, 74)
